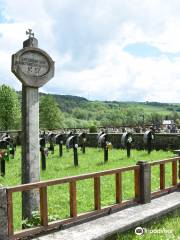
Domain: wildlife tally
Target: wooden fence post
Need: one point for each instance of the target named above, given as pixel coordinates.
(3, 214)
(145, 182)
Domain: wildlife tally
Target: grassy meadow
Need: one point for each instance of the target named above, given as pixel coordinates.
(92, 161)
(170, 223)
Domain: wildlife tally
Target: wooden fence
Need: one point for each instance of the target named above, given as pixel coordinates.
(162, 178)
(142, 194)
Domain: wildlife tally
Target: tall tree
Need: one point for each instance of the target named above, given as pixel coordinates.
(51, 116)
(9, 108)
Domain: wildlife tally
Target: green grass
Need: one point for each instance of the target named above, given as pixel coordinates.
(149, 109)
(170, 223)
(92, 161)
(152, 109)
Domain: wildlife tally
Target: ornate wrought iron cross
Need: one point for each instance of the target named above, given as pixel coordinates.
(30, 33)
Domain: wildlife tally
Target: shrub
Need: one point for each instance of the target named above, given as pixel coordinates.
(35, 220)
(93, 129)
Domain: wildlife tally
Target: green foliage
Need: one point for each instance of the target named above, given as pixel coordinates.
(93, 129)
(50, 115)
(59, 111)
(155, 118)
(67, 103)
(80, 113)
(9, 108)
(35, 220)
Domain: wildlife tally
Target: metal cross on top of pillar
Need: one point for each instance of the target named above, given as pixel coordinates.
(30, 33)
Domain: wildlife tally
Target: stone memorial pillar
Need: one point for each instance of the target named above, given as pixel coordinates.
(3, 214)
(33, 67)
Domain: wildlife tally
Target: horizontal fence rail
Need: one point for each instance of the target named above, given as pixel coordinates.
(140, 183)
(74, 216)
(162, 178)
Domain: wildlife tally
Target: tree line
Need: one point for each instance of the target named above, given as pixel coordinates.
(74, 112)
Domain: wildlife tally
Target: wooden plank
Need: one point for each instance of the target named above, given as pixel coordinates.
(162, 176)
(73, 202)
(137, 184)
(118, 177)
(30, 186)
(164, 161)
(174, 173)
(10, 214)
(164, 191)
(97, 193)
(43, 206)
(80, 218)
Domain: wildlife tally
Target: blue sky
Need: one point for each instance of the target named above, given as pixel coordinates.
(1, 12)
(142, 49)
(103, 49)
(145, 50)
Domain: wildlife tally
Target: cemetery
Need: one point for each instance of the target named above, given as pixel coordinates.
(90, 162)
(61, 163)
(55, 180)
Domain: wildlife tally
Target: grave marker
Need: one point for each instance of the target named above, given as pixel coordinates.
(33, 67)
(72, 142)
(148, 140)
(105, 144)
(126, 142)
(59, 141)
(51, 139)
(44, 152)
(98, 137)
(3, 156)
(82, 141)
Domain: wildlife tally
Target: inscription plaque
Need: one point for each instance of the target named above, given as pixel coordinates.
(32, 66)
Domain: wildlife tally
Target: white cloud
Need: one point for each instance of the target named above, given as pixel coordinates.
(86, 39)
(119, 75)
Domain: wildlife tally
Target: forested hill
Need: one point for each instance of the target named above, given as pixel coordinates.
(77, 111)
(68, 102)
(64, 111)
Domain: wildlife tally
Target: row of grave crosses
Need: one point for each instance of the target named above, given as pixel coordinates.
(8, 147)
(126, 142)
(72, 141)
